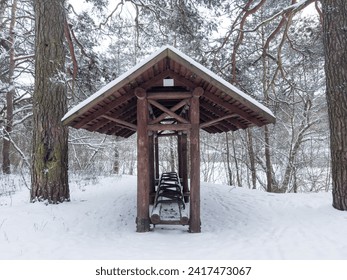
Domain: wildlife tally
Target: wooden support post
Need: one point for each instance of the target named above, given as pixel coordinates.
(143, 174)
(156, 150)
(194, 220)
(151, 169)
(184, 144)
(179, 154)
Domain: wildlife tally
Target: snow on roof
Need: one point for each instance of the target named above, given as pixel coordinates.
(188, 59)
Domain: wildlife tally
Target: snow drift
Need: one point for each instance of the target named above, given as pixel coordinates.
(237, 223)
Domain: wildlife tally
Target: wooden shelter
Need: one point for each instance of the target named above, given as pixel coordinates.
(168, 94)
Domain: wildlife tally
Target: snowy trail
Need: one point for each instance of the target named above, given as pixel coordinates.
(99, 223)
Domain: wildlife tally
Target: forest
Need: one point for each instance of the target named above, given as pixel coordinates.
(275, 51)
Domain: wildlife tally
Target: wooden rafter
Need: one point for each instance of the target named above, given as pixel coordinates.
(105, 109)
(211, 122)
(121, 122)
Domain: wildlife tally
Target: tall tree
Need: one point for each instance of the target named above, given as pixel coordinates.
(335, 46)
(6, 162)
(50, 138)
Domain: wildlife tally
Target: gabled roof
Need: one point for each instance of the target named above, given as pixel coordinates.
(116, 101)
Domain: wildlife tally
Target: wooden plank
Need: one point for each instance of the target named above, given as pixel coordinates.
(143, 180)
(169, 112)
(195, 223)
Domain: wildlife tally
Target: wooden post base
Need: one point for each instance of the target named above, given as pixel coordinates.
(142, 225)
(194, 228)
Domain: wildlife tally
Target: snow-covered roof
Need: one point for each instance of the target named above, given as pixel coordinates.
(176, 64)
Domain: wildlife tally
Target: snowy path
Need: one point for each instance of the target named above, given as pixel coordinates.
(99, 223)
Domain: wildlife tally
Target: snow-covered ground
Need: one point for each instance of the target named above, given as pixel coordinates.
(99, 223)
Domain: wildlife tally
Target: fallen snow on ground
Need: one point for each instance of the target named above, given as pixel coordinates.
(99, 223)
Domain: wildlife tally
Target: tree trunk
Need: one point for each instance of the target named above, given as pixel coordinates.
(335, 47)
(116, 157)
(269, 187)
(230, 174)
(172, 155)
(50, 138)
(251, 158)
(238, 178)
(6, 148)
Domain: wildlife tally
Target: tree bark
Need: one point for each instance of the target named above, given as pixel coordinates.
(50, 139)
(335, 48)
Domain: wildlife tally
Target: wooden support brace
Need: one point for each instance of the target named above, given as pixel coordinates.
(174, 109)
(168, 112)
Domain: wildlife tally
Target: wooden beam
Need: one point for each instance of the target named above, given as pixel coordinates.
(194, 221)
(143, 179)
(121, 122)
(173, 109)
(122, 112)
(217, 128)
(99, 124)
(169, 112)
(209, 123)
(171, 95)
(172, 127)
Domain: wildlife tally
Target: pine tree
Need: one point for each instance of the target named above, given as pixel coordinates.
(335, 46)
(50, 138)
